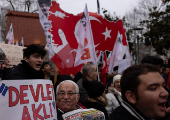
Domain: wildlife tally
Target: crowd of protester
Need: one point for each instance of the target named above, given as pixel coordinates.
(139, 93)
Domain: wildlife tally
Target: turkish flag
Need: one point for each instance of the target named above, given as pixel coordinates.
(168, 80)
(63, 29)
(104, 70)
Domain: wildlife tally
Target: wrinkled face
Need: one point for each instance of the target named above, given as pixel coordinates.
(152, 95)
(47, 69)
(67, 102)
(117, 85)
(93, 74)
(35, 61)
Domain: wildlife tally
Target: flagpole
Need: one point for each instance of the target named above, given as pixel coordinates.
(93, 44)
(98, 7)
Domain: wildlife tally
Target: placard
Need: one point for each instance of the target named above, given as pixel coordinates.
(14, 53)
(27, 100)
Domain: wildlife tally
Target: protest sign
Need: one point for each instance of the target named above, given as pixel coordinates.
(27, 100)
(123, 64)
(84, 114)
(14, 53)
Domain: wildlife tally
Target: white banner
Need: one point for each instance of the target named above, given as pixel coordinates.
(14, 53)
(86, 50)
(123, 64)
(27, 100)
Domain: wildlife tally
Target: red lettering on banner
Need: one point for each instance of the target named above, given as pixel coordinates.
(48, 92)
(22, 95)
(42, 94)
(45, 114)
(51, 110)
(86, 55)
(13, 103)
(52, 91)
(25, 114)
(36, 111)
(36, 97)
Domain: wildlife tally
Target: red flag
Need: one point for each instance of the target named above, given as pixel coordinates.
(63, 34)
(104, 70)
(168, 80)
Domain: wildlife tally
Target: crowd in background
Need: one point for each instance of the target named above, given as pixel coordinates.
(91, 92)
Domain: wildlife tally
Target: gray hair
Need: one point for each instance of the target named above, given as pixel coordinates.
(87, 68)
(77, 88)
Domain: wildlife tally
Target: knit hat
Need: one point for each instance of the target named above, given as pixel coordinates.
(94, 88)
(117, 77)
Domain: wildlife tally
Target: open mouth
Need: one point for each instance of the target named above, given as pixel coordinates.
(38, 65)
(162, 106)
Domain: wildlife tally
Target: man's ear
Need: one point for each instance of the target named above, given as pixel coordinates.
(130, 96)
(78, 96)
(26, 59)
(89, 74)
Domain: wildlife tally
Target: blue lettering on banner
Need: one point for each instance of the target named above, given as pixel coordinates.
(2, 90)
(53, 104)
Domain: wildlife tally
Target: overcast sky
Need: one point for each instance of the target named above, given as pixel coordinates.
(118, 6)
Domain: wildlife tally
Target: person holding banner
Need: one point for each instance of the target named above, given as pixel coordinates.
(29, 68)
(67, 96)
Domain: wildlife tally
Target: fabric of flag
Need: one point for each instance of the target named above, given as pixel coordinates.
(46, 25)
(22, 42)
(116, 54)
(104, 70)
(98, 7)
(10, 35)
(64, 26)
(86, 50)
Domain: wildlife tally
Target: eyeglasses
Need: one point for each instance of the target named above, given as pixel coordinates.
(68, 94)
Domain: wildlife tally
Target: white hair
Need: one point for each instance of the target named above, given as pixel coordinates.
(76, 86)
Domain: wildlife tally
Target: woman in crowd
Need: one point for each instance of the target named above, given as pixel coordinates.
(114, 95)
(97, 97)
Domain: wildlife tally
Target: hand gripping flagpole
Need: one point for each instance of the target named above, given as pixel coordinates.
(93, 44)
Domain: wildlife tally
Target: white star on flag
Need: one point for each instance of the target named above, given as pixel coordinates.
(107, 33)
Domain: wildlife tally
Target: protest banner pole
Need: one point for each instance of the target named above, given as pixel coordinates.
(93, 45)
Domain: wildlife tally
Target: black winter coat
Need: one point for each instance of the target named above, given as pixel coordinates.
(23, 71)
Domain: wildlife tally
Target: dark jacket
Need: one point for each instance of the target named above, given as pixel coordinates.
(82, 91)
(23, 71)
(124, 112)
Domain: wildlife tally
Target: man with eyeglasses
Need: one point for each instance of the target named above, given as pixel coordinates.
(67, 96)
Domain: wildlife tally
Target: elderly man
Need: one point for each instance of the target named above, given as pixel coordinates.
(143, 94)
(67, 96)
(89, 74)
